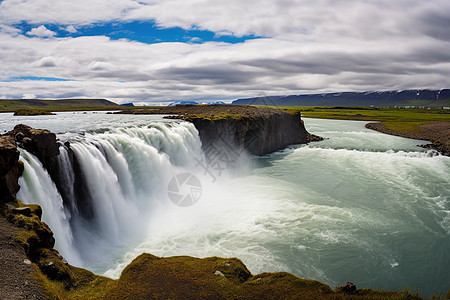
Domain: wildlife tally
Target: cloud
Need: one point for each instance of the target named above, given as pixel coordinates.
(28, 96)
(46, 62)
(41, 31)
(309, 46)
(10, 30)
(64, 12)
(71, 29)
(195, 39)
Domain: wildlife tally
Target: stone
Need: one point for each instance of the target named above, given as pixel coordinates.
(347, 288)
(24, 211)
(10, 168)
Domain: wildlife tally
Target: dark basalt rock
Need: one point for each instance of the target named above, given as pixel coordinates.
(24, 211)
(257, 135)
(10, 169)
(258, 130)
(41, 142)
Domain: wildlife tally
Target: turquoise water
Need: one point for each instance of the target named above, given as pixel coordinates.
(359, 206)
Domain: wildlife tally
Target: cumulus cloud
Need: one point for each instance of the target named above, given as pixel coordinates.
(309, 46)
(41, 31)
(71, 29)
(64, 12)
(45, 62)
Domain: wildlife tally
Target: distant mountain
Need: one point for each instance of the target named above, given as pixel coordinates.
(183, 103)
(427, 98)
(54, 105)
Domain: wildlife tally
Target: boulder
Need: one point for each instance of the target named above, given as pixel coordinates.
(54, 267)
(41, 142)
(347, 288)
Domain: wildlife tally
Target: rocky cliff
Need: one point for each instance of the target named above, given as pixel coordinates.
(10, 168)
(257, 135)
(258, 130)
(42, 143)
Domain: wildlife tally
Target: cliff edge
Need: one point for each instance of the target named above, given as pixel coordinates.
(258, 130)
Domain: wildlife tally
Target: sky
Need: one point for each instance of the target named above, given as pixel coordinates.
(167, 50)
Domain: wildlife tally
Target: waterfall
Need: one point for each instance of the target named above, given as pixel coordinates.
(37, 187)
(108, 186)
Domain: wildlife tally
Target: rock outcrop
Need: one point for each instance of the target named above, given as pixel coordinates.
(258, 135)
(10, 168)
(258, 130)
(40, 142)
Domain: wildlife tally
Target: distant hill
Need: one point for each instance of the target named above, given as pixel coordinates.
(427, 98)
(57, 105)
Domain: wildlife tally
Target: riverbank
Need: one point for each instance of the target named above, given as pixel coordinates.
(438, 133)
(423, 124)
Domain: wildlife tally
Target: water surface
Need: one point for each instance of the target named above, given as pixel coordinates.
(360, 206)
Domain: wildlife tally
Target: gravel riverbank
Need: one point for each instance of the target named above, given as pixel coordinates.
(438, 133)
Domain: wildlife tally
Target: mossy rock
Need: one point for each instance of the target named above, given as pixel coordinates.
(52, 264)
(233, 269)
(183, 277)
(33, 234)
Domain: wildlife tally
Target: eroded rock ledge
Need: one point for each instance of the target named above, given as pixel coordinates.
(258, 130)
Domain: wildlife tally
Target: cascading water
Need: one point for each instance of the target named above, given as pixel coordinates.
(38, 187)
(111, 182)
(359, 206)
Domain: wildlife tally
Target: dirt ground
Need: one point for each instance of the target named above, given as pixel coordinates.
(15, 268)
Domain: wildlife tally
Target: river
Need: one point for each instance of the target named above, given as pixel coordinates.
(360, 206)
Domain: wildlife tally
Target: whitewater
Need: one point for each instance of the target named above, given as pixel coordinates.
(359, 206)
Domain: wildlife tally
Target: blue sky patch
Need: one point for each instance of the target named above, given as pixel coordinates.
(23, 78)
(144, 32)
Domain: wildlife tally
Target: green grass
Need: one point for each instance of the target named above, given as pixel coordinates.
(58, 105)
(32, 112)
(215, 117)
(392, 118)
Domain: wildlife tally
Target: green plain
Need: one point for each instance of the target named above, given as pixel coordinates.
(393, 118)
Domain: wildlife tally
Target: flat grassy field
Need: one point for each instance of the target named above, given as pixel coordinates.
(393, 118)
(57, 105)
